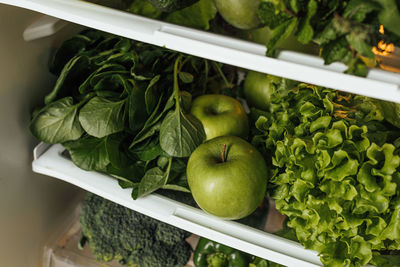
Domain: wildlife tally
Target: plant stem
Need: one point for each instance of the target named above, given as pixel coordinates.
(223, 152)
(176, 86)
(221, 73)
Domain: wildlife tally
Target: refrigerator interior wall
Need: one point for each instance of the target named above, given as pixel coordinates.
(31, 205)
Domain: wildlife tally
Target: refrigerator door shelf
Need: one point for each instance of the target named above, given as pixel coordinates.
(51, 162)
(293, 65)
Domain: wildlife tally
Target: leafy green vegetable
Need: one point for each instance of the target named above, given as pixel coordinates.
(345, 31)
(57, 122)
(117, 108)
(101, 117)
(71, 72)
(89, 153)
(180, 133)
(335, 172)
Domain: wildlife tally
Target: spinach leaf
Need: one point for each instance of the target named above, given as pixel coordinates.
(68, 50)
(144, 134)
(180, 134)
(72, 73)
(116, 154)
(101, 117)
(136, 108)
(89, 153)
(100, 73)
(152, 124)
(149, 150)
(153, 179)
(129, 176)
(176, 188)
(151, 94)
(57, 122)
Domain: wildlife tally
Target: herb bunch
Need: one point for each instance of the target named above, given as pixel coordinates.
(345, 31)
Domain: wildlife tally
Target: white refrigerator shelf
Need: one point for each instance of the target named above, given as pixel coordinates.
(297, 66)
(49, 160)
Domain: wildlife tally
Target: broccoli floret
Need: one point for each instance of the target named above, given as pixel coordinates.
(166, 233)
(118, 233)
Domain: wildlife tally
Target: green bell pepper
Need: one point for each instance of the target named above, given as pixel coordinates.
(212, 254)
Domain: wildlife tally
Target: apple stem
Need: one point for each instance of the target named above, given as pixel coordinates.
(223, 152)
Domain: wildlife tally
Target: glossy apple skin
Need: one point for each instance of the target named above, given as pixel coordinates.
(241, 14)
(220, 115)
(257, 89)
(232, 189)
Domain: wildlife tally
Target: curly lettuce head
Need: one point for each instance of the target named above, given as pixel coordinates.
(336, 173)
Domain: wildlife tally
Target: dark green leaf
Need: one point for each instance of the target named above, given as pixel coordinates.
(185, 99)
(176, 187)
(103, 71)
(109, 82)
(152, 126)
(272, 16)
(129, 176)
(136, 108)
(305, 31)
(57, 122)
(153, 179)
(70, 76)
(279, 34)
(357, 10)
(149, 150)
(101, 117)
(68, 49)
(144, 134)
(185, 77)
(180, 134)
(336, 50)
(151, 95)
(116, 153)
(89, 153)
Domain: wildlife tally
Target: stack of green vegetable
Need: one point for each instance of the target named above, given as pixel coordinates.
(118, 233)
(336, 173)
(117, 108)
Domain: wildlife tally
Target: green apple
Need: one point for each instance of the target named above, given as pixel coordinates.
(220, 115)
(227, 177)
(257, 89)
(241, 14)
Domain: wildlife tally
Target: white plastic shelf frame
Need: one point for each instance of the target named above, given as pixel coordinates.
(297, 66)
(48, 160)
